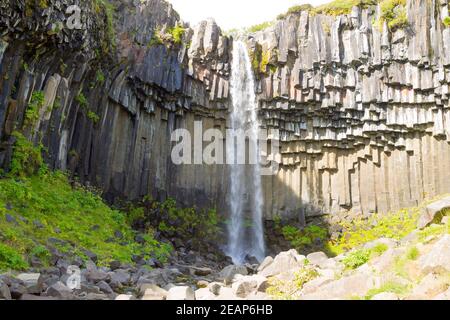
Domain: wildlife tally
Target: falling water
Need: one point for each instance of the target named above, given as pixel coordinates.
(245, 179)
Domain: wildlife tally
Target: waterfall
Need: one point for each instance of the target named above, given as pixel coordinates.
(245, 196)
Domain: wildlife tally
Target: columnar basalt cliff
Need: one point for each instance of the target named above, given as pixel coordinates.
(363, 110)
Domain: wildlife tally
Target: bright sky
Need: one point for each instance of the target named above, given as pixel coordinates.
(231, 14)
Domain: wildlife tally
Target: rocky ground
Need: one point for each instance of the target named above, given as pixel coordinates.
(412, 268)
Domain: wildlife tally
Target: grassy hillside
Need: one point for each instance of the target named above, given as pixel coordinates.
(41, 210)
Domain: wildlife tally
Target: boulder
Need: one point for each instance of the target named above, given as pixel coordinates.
(228, 273)
(5, 294)
(181, 293)
(244, 286)
(385, 296)
(438, 258)
(204, 294)
(430, 286)
(59, 290)
(430, 212)
(17, 290)
(124, 297)
(266, 262)
(215, 287)
(443, 296)
(200, 271)
(104, 287)
(96, 275)
(283, 262)
(153, 292)
(119, 278)
(31, 282)
(317, 258)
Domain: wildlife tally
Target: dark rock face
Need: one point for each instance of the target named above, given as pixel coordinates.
(363, 113)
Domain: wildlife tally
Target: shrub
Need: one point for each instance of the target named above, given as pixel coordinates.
(82, 101)
(379, 249)
(299, 239)
(33, 108)
(446, 22)
(176, 34)
(189, 224)
(356, 259)
(93, 116)
(305, 275)
(260, 27)
(10, 259)
(394, 13)
(412, 254)
(26, 159)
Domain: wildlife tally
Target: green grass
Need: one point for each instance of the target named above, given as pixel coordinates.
(391, 287)
(360, 231)
(301, 238)
(356, 259)
(260, 27)
(66, 213)
(38, 206)
(412, 253)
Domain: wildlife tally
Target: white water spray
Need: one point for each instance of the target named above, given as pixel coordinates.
(245, 230)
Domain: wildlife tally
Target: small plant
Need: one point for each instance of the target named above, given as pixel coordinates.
(93, 117)
(100, 77)
(82, 101)
(412, 254)
(356, 259)
(260, 27)
(176, 34)
(35, 105)
(391, 287)
(446, 22)
(27, 159)
(394, 13)
(378, 250)
(305, 275)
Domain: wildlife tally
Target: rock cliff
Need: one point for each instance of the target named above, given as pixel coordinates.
(363, 109)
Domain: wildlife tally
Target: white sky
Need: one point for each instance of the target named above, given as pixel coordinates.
(231, 14)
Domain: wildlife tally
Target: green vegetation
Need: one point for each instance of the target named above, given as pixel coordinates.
(106, 7)
(391, 287)
(413, 253)
(260, 27)
(82, 101)
(176, 34)
(37, 206)
(189, 224)
(76, 217)
(172, 36)
(301, 238)
(356, 259)
(262, 60)
(286, 290)
(95, 118)
(446, 22)
(358, 232)
(100, 77)
(394, 13)
(27, 159)
(33, 108)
